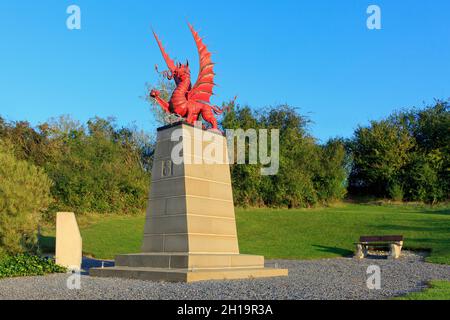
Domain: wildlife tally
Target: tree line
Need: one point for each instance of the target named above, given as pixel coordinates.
(403, 157)
(105, 168)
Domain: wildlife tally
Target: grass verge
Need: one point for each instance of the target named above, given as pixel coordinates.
(438, 290)
(293, 234)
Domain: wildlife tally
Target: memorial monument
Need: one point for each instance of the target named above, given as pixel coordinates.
(69, 244)
(190, 231)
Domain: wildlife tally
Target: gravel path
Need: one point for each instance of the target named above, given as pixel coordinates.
(341, 278)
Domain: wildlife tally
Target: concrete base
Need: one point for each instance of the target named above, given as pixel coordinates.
(185, 267)
(184, 275)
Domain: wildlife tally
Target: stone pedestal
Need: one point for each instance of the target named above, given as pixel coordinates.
(68, 251)
(190, 231)
(395, 250)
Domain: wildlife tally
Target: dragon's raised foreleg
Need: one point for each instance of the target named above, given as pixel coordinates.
(155, 94)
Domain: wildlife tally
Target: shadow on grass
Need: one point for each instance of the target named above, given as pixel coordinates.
(334, 250)
(438, 212)
(440, 243)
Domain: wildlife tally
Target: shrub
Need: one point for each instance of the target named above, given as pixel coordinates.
(380, 152)
(96, 167)
(308, 174)
(331, 174)
(406, 155)
(24, 196)
(423, 181)
(28, 265)
(396, 192)
(98, 170)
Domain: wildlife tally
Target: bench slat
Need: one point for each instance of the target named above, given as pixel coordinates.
(366, 239)
(379, 244)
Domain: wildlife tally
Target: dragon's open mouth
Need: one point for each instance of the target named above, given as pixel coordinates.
(166, 74)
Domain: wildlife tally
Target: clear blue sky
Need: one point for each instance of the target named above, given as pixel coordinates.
(315, 55)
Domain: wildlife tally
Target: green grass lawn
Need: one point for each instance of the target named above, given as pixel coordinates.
(439, 290)
(297, 234)
(331, 232)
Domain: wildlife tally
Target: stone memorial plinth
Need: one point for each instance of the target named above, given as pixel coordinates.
(190, 230)
(69, 244)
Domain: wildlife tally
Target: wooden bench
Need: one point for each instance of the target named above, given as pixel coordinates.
(394, 243)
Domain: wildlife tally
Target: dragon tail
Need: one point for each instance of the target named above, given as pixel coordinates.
(217, 110)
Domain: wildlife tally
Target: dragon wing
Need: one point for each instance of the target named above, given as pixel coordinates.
(170, 63)
(203, 88)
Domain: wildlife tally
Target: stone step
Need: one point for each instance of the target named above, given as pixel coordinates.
(184, 275)
(189, 261)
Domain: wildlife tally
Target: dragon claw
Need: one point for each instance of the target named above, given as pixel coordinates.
(154, 93)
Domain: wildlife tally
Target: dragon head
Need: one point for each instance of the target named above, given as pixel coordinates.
(181, 72)
(177, 71)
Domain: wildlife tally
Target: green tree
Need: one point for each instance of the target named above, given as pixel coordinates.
(380, 154)
(331, 177)
(293, 185)
(98, 170)
(24, 197)
(406, 155)
(98, 167)
(246, 179)
(308, 173)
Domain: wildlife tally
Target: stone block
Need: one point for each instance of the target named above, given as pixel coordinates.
(153, 243)
(201, 243)
(176, 243)
(68, 241)
(166, 224)
(211, 207)
(211, 225)
(208, 189)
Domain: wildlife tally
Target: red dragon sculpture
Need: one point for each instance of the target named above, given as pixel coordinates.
(189, 101)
